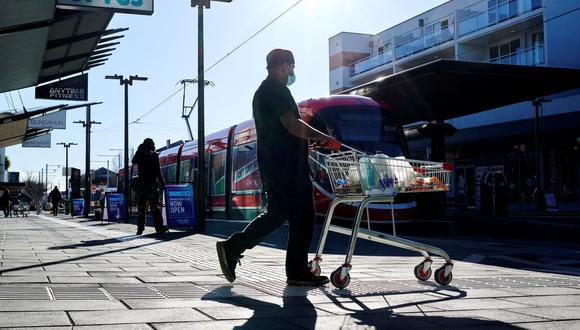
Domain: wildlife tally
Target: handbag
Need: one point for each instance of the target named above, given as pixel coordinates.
(135, 182)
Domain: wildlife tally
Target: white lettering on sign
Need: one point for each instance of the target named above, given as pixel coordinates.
(130, 6)
(66, 93)
(55, 120)
(176, 206)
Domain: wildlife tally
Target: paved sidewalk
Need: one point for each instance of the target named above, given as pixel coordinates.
(60, 273)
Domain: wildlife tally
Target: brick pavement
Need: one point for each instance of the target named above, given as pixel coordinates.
(60, 273)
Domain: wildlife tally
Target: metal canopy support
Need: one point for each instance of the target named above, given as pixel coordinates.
(65, 41)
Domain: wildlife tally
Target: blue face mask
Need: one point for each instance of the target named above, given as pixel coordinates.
(291, 79)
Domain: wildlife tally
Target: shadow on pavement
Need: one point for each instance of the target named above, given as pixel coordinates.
(298, 312)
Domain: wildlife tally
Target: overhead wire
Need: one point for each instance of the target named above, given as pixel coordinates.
(224, 57)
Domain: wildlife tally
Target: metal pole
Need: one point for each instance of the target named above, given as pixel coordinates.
(126, 151)
(46, 178)
(107, 173)
(200, 122)
(66, 173)
(87, 163)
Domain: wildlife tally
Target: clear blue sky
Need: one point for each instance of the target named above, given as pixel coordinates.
(163, 47)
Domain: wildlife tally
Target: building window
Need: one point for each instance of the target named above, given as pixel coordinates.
(506, 53)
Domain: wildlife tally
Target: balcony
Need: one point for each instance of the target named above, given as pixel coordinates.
(532, 56)
(371, 62)
(423, 43)
(480, 16)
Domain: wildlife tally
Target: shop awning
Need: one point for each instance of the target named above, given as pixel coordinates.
(446, 89)
(39, 43)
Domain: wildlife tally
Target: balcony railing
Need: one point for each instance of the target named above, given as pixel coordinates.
(532, 56)
(371, 62)
(479, 16)
(423, 43)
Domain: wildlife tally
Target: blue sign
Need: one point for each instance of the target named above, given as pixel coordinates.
(179, 206)
(78, 206)
(115, 206)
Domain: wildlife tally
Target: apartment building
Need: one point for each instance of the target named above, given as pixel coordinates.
(518, 32)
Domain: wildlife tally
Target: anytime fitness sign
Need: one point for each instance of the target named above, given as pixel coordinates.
(140, 7)
(72, 89)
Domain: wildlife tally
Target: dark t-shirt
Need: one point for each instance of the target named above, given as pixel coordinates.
(281, 155)
(148, 166)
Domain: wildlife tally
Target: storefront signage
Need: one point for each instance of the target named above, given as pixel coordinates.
(42, 141)
(115, 206)
(140, 7)
(56, 120)
(78, 206)
(71, 89)
(179, 206)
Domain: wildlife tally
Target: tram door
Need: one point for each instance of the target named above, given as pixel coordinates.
(465, 186)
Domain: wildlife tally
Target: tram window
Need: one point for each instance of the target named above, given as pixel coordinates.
(245, 169)
(363, 127)
(217, 174)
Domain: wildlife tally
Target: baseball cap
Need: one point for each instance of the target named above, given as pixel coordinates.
(278, 57)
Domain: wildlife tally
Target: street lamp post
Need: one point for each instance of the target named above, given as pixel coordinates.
(126, 83)
(108, 183)
(88, 187)
(66, 146)
(200, 112)
(118, 156)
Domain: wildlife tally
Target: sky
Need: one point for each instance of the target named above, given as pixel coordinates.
(163, 47)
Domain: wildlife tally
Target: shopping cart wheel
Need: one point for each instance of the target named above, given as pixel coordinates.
(336, 281)
(317, 271)
(420, 272)
(440, 277)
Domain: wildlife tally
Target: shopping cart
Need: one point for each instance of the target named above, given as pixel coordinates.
(358, 177)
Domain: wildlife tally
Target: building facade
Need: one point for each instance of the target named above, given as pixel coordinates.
(519, 32)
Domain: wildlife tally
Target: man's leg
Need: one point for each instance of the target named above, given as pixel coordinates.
(229, 251)
(262, 225)
(301, 222)
(141, 210)
(156, 211)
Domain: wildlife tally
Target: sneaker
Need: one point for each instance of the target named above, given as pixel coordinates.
(227, 262)
(307, 279)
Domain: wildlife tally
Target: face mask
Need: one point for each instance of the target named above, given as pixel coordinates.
(291, 79)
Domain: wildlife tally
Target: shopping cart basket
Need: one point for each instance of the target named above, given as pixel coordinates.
(358, 177)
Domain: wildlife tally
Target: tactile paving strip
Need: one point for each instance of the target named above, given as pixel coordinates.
(133, 292)
(24, 293)
(79, 293)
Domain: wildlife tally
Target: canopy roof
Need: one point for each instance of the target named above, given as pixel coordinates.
(39, 43)
(446, 89)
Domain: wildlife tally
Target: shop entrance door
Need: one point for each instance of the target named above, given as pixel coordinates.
(465, 186)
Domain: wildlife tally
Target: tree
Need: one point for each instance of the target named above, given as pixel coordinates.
(6, 163)
(34, 188)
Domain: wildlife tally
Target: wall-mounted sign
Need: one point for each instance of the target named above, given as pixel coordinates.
(56, 120)
(41, 141)
(72, 89)
(141, 7)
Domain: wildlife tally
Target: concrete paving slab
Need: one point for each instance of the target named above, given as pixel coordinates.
(547, 301)
(174, 303)
(23, 279)
(238, 312)
(550, 325)
(254, 324)
(551, 313)
(29, 319)
(137, 316)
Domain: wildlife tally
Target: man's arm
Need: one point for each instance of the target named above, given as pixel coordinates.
(299, 128)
